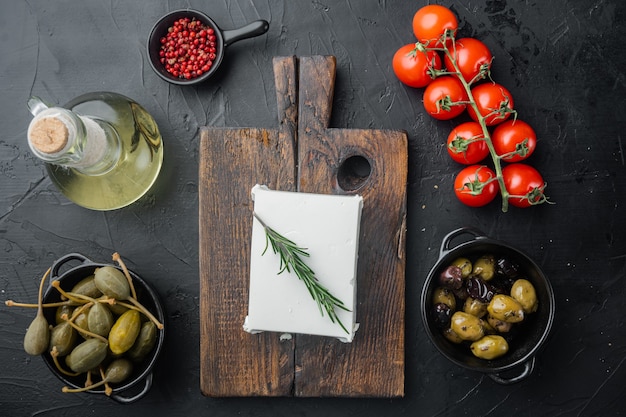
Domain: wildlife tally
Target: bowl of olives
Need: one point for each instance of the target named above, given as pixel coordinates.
(106, 328)
(487, 306)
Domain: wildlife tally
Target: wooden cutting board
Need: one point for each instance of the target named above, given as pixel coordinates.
(301, 154)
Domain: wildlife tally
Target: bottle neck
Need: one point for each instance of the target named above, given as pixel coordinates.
(61, 137)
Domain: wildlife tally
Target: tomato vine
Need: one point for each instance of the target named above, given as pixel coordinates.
(467, 67)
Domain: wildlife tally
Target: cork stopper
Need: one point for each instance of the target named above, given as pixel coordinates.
(48, 135)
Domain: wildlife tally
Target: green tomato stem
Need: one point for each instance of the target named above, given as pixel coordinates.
(481, 120)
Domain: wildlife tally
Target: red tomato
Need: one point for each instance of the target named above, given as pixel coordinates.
(524, 184)
(466, 144)
(472, 57)
(514, 140)
(494, 102)
(413, 67)
(476, 185)
(431, 22)
(445, 98)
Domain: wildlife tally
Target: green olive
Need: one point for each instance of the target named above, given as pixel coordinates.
(499, 325)
(485, 267)
(505, 308)
(467, 326)
(475, 307)
(445, 296)
(490, 347)
(489, 329)
(465, 265)
(524, 292)
(451, 336)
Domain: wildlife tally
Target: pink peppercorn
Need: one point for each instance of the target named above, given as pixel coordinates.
(189, 48)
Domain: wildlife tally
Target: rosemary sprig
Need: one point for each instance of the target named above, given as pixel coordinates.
(291, 260)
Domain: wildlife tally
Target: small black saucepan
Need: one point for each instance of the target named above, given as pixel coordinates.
(525, 342)
(76, 267)
(224, 38)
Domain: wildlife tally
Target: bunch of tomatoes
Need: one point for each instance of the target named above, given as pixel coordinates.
(455, 75)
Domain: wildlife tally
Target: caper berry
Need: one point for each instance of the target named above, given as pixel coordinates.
(87, 355)
(100, 319)
(37, 336)
(87, 287)
(112, 282)
(145, 342)
(62, 336)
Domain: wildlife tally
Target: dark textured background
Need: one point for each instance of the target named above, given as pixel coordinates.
(563, 61)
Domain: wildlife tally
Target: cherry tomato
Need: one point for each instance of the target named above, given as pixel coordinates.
(494, 102)
(524, 184)
(413, 67)
(476, 185)
(466, 143)
(514, 140)
(445, 98)
(431, 22)
(472, 57)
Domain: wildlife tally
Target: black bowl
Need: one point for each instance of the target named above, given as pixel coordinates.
(223, 39)
(140, 382)
(529, 336)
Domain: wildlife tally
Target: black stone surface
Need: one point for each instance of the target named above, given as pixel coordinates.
(563, 61)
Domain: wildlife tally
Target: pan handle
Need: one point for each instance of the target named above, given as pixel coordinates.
(447, 240)
(528, 369)
(56, 266)
(256, 28)
(144, 390)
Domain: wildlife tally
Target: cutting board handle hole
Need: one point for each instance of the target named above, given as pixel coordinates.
(353, 173)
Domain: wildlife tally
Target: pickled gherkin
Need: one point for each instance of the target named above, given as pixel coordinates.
(124, 332)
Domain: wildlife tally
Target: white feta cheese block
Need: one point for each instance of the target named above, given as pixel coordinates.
(327, 227)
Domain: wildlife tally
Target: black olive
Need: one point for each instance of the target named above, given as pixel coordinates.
(506, 268)
(480, 290)
(461, 293)
(451, 277)
(442, 313)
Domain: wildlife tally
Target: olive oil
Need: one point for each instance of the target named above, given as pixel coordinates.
(113, 154)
